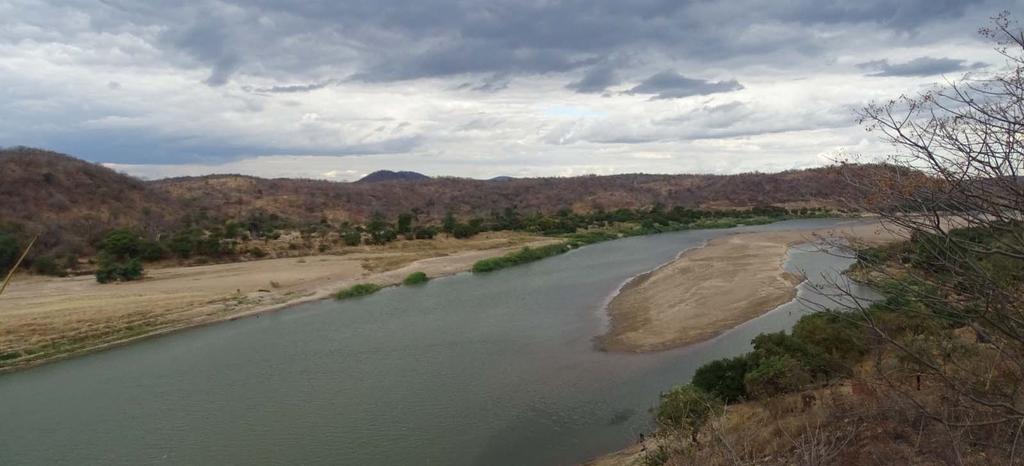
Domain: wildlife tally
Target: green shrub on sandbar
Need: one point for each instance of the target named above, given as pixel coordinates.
(522, 256)
(416, 278)
(361, 289)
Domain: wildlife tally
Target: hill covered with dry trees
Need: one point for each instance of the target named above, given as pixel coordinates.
(71, 203)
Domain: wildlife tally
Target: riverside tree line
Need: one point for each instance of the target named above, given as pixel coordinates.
(122, 252)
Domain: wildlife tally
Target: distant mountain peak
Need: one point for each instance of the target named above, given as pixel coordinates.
(388, 175)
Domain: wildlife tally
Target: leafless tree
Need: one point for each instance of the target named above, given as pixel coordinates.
(955, 172)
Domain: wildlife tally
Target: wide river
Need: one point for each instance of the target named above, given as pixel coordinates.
(497, 369)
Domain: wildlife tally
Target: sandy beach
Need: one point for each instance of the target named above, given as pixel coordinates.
(47, 318)
(713, 288)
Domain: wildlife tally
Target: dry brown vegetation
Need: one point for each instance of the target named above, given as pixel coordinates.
(70, 203)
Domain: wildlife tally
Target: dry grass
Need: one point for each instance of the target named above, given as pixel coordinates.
(866, 421)
(44, 317)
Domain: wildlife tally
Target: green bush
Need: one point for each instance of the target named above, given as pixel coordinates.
(361, 289)
(421, 232)
(522, 256)
(9, 252)
(122, 244)
(47, 265)
(779, 344)
(462, 231)
(686, 409)
(352, 238)
(723, 378)
(416, 278)
(776, 375)
(112, 270)
(836, 336)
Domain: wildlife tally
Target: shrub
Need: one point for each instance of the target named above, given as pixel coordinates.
(150, 251)
(522, 256)
(416, 278)
(122, 244)
(686, 409)
(361, 289)
(462, 231)
(182, 244)
(776, 375)
(836, 336)
(257, 252)
(422, 232)
(656, 457)
(47, 265)
(779, 344)
(723, 378)
(9, 252)
(352, 238)
(111, 270)
(382, 236)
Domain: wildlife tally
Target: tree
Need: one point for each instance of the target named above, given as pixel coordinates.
(838, 337)
(404, 225)
(775, 375)
(686, 409)
(957, 166)
(448, 225)
(120, 257)
(352, 237)
(723, 378)
(111, 270)
(9, 251)
(122, 244)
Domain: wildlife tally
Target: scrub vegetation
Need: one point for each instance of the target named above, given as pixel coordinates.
(361, 289)
(416, 278)
(931, 374)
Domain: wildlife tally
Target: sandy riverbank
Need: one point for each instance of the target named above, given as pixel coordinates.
(710, 289)
(46, 318)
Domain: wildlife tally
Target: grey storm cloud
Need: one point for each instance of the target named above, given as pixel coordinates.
(596, 80)
(390, 40)
(672, 85)
(295, 88)
(172, 81)
(922, 66)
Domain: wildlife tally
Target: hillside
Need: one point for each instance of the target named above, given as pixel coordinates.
(71, 203)
(388, 175)
(311, 199)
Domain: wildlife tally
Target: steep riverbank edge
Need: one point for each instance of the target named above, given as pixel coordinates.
(713, 288)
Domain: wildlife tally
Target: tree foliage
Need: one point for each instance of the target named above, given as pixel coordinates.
(723, 378)
(686, 409)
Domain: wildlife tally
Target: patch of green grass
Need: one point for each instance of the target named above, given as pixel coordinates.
(522, 256)
(361, 289)
(416, 278)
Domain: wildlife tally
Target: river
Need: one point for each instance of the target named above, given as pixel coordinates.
(495, 369)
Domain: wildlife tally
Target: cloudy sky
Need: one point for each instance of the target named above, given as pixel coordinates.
(336, 89)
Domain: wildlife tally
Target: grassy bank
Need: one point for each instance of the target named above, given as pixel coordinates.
(416, 278)
(522, 256)
(618, 231)
(361, 289)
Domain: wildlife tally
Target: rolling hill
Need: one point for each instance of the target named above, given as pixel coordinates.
(71, 203)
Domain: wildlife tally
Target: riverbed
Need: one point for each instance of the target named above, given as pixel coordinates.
(496, 369)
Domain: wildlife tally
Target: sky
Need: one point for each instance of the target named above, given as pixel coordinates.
(337, 89)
